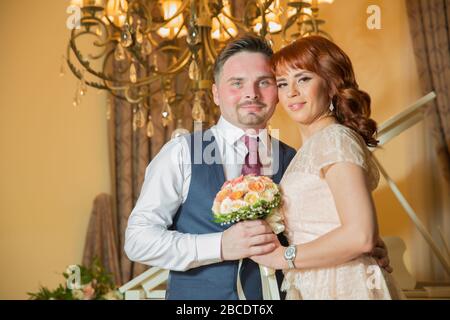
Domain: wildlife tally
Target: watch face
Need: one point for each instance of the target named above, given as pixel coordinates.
(289, 253)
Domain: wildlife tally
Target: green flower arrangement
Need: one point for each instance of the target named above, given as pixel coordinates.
(94, 283)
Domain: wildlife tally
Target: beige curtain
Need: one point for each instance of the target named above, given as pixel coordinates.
(102, 239)
(429, 26)
(430, 33)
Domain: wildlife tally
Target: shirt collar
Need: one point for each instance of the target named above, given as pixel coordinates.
(231, 133)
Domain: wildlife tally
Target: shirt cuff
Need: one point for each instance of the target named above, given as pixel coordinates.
(209, 247)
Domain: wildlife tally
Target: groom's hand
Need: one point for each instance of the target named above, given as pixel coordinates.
(248, 238)
(380, 254)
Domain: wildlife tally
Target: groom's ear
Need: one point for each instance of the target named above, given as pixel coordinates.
(215, 93)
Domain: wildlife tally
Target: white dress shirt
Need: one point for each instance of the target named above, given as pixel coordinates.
(165, 188)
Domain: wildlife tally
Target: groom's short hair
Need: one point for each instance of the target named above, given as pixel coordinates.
(245, 43)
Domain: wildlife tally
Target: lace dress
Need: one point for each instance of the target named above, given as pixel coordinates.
(309, 211)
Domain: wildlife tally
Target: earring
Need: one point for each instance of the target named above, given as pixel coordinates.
(331, 106)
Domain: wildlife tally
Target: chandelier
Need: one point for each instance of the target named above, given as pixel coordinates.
(150, 52)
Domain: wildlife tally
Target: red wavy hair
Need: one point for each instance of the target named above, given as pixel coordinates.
(321, 56)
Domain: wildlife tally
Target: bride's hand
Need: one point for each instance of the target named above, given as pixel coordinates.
(274, 259)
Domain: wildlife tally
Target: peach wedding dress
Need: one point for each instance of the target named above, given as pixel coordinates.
(309, 211)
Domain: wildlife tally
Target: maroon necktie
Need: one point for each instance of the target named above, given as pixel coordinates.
(252, 164)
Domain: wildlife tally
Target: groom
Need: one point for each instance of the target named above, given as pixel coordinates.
(171, 225)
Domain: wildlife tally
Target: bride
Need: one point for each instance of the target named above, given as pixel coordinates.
(328, 210)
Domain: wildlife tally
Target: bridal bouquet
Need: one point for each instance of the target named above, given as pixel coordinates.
(246, 198)
(249, 198)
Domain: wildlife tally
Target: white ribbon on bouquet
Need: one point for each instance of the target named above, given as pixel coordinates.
(269, 282)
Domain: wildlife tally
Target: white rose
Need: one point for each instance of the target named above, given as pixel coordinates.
(226, 206)
(268, 195)
(216, 207)
(237, 204)
(241, 186)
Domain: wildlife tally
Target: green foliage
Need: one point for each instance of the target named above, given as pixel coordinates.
(95, 284)
(259, 210)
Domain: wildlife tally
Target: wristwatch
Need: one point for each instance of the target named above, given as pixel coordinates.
(289, 255)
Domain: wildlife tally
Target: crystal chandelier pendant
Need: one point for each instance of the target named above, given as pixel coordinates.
(138, 118)
(82, 86)
(146, 47)
(139, 35)
(194, 72)
(108, 108)
(150, 127)
(77, 99)
(133, 73)
(155, 62)
(166, 114)
(198, 114)
(119, 53)
(193, 36)
(134, 122)
(126, 39)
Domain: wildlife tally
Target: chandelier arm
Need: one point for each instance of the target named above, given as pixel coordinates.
(311, 18)
(130, 99)
(105, 61)
(176, 14)
(179, 30)
(79, 56)
(147, 29)
(144, 81)
(182, 61)
(107, 78)
(137, 56)
(316, 26)
(112, 24)
(98, 22)
(117, 96)
(77, 73)
(153, 42)
(106, 38)
(327, 35)
(185, 58)
(224, 28)
(294, 18)
(262, 9)
(206, 6)
(147, 11)
(209, 47)
(313, 21)
(237, 21)
(101, 54)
